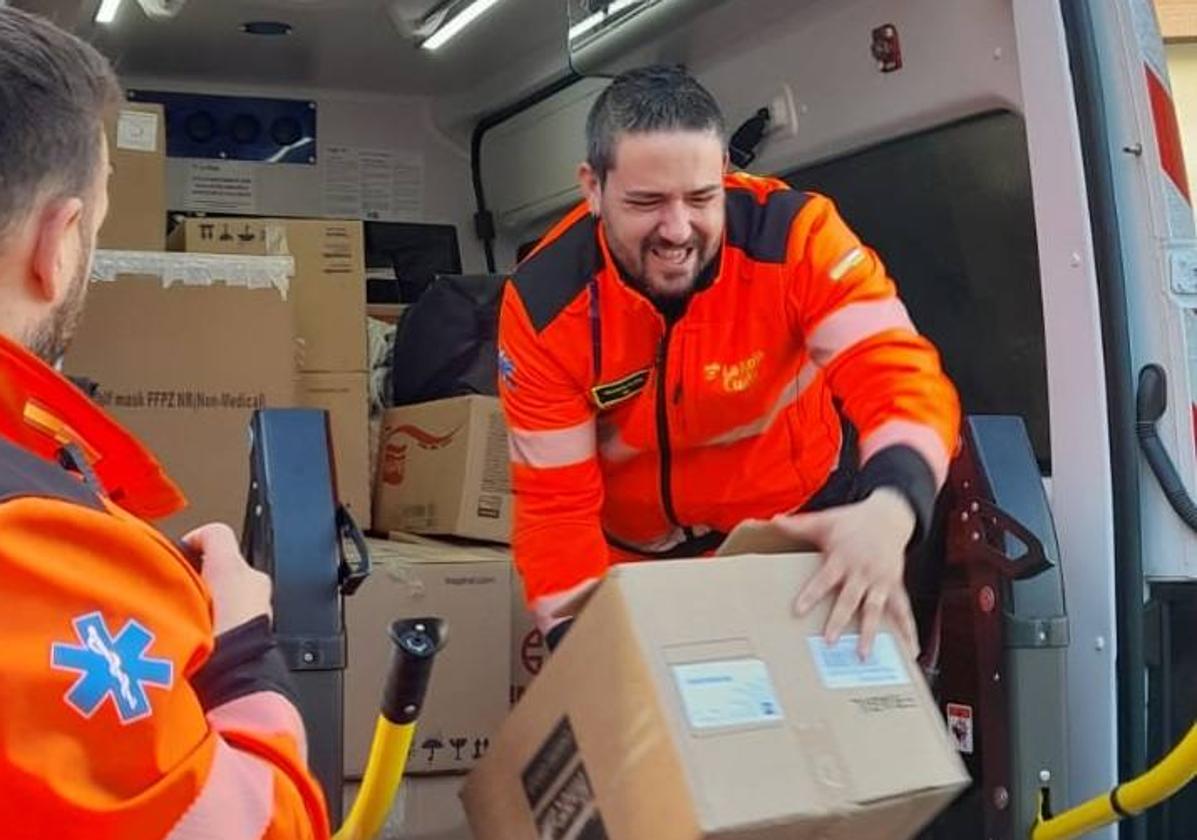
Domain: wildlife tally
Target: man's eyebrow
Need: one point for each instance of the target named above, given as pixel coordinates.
(646, 194)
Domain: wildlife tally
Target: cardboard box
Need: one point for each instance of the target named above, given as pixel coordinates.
(467, 586)
(426, 808)
(688, 701)
(346, 399)
(329, 287)
(528, 649)
(444, 470)
(137, 189)
(183, 368)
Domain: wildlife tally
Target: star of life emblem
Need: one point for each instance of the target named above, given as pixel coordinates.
(111, 667)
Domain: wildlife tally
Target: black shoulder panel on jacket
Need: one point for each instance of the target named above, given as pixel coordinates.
(762, 231)
(24, 475)
(552, 278)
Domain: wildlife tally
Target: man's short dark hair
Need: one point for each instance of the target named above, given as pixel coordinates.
(656, 98)
(55, 92)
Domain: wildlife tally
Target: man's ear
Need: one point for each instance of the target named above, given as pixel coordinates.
(58, 248)
(726, 163)
(592, 189)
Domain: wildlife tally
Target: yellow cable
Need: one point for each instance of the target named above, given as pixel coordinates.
(1175, 771)
(384, 772)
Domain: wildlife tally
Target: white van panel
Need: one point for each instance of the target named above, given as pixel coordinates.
(960, 59)
(1082, 493)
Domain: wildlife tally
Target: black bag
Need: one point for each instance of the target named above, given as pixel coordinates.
(446, 344)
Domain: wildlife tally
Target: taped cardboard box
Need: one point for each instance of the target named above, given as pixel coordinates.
(444, 469)
(137, 188)
(688, 701)
(183, 367)
(468, 586)
(344, 396)
(329, 287)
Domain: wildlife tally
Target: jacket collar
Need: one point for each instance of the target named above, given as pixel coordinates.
(42, 412)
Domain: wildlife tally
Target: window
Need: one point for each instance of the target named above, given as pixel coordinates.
(950, 212)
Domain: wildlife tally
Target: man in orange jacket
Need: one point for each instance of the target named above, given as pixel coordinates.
(679, 354)
(139, 698)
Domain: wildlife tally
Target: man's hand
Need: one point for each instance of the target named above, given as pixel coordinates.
(239, 593)
(864, 556)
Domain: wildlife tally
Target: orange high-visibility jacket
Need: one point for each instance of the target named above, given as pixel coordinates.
(633, 435)
(120, 717)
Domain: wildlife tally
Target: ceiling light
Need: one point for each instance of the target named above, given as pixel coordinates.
(107, 11)
(457, 22)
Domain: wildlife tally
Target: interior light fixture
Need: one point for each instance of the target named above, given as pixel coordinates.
(454, 23)
(107, 11)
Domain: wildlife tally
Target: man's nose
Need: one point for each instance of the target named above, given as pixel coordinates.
(674, 226)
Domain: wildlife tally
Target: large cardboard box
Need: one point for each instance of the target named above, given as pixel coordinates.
(528, 648)
(344, 396)
(183, 368)
(137, 188)
(689, 701)
(329, 287)
(444, 469)
(466, 585)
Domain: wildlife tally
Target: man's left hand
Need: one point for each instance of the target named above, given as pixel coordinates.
(864, 557)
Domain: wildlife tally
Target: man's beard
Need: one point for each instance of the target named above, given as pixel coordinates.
(677, 289)
(50, 338)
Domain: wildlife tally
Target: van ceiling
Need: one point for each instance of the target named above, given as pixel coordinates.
(346, 45)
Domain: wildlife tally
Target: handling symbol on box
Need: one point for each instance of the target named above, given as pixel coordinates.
(432, 745)
(481, 745)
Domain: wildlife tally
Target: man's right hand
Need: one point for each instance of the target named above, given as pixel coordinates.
(240, 593)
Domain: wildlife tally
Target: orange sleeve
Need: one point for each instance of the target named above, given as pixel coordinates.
(102, 733)
(886, 376)
(557, 539)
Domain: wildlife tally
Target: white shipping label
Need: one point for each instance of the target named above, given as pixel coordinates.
(137, 131)
(840, 666)
(729, 693)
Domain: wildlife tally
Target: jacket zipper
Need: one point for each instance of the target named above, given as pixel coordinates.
(663, 427)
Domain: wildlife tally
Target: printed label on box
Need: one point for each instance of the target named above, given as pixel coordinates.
(736, 692)
(559, 791)
(840, 666)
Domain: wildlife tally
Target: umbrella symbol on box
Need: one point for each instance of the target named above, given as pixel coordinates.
(432, 745)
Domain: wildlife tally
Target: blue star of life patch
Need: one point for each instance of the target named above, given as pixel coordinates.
(506, 368)
(109, 666)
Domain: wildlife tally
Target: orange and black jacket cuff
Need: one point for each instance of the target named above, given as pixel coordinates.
(245, 660)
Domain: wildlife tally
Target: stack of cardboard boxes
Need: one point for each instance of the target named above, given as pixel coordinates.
(443, 499)
(327, 300)
(185, 346)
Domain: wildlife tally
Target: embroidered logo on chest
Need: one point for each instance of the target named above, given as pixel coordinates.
(736, 377)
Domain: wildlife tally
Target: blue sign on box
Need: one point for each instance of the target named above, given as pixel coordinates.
(242, 128)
